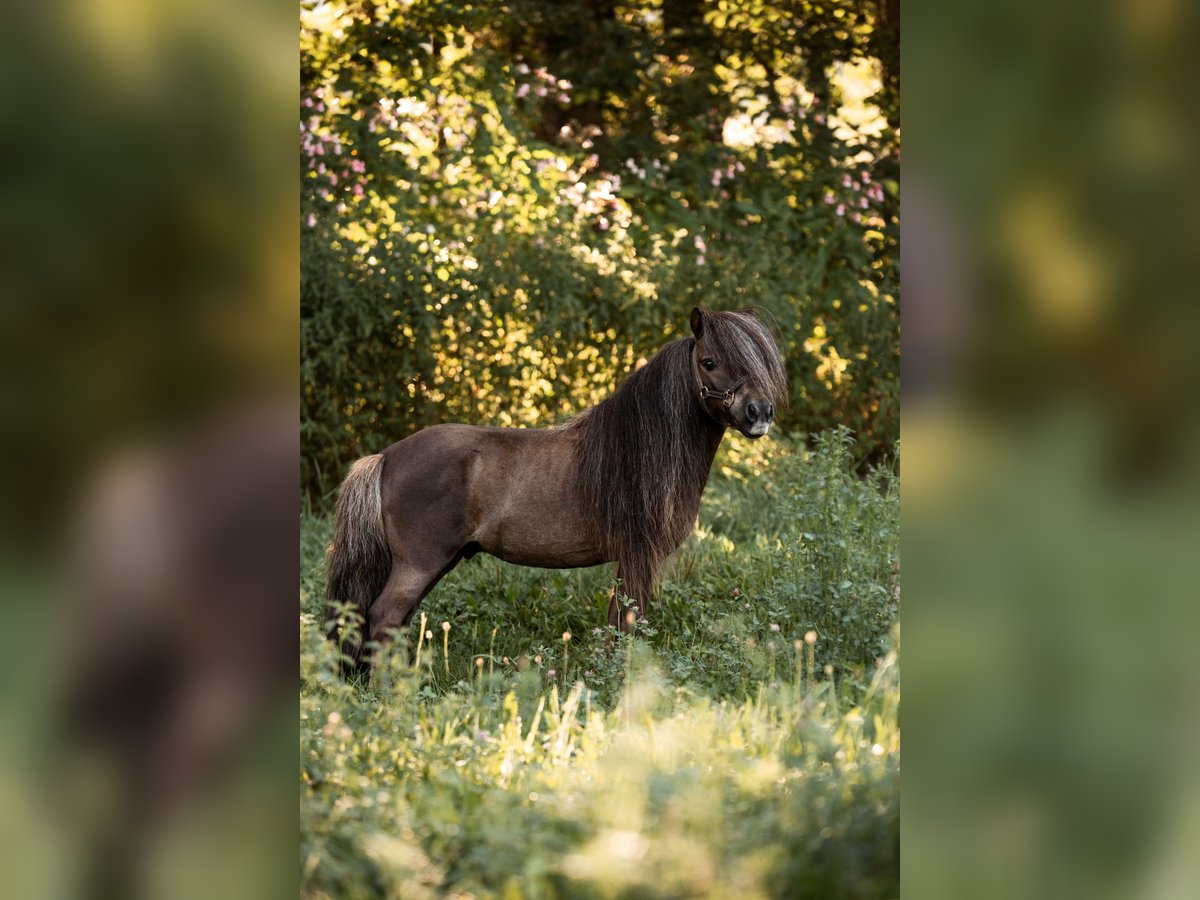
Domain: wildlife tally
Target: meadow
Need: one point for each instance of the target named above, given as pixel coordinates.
(745, 743)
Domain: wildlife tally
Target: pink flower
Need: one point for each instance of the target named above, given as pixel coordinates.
(311, 221)
(846, 181)
(522, 91)
(541, 90)
(358, 190)
(862, 203)
(829, 198)
(841, 209)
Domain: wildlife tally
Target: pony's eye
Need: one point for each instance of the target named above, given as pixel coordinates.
(709, 364)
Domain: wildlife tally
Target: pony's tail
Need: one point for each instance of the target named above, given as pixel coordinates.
(358, 560)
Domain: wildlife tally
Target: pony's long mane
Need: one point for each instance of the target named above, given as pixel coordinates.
(643, 454)
(642, 463)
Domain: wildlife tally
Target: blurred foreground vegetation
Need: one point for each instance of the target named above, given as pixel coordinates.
(748, 742)
(505, 206)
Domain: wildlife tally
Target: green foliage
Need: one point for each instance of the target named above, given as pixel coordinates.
(505, 206)
(713, 755)
(838, 565)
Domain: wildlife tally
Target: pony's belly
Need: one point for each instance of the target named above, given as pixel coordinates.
(524, 508)
(547, 556)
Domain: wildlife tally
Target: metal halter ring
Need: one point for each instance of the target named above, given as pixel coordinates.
(726, 397)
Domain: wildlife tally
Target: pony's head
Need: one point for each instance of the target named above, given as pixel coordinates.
(738, 370)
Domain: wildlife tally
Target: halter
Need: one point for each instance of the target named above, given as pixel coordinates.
(726, 396)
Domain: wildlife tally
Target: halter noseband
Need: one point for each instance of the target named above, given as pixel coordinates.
(726, 396)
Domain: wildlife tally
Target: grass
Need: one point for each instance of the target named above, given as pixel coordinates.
(746, 742)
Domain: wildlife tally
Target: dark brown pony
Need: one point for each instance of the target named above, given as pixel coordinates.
(619, 482)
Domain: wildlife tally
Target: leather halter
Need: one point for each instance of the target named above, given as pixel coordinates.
(726, 396)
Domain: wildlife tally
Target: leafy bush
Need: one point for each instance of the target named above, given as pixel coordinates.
(838, 563)
(505, 206)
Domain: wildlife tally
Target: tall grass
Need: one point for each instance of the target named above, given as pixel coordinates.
(747, 742)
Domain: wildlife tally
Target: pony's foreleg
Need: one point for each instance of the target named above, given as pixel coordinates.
(634, 589)
(618, 613)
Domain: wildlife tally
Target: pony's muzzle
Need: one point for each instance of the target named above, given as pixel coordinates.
(756, 412)
(756, 417)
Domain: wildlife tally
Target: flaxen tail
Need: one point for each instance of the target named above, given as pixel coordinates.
(358, 561)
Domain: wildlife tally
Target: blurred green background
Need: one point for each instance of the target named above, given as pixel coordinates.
(147, 295)
(1050, 490)
(1050, 200)
(504, 206)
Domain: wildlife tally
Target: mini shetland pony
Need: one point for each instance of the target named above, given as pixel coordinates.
(619, 482)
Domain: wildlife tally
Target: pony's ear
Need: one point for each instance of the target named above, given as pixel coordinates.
(697, 322)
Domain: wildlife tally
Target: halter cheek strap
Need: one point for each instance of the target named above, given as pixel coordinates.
(726, 396)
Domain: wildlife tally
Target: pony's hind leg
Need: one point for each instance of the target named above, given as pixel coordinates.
(406, 587)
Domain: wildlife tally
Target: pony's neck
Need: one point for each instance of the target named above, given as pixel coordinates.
(642, 460)
(714, 432)
(703, 434)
